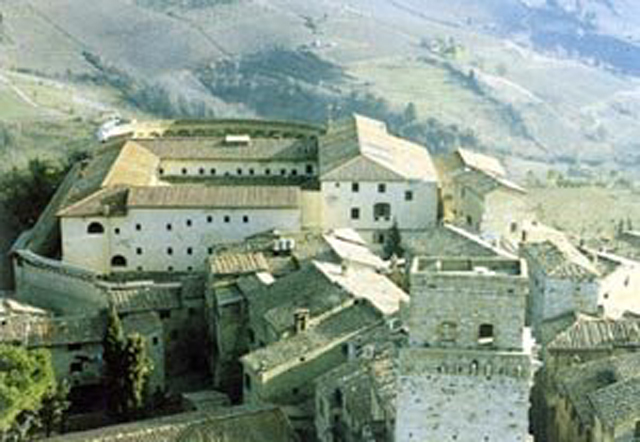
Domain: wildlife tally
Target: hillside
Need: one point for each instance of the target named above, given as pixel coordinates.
(534, 81)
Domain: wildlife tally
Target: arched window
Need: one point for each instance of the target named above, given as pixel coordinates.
(118, 261)
(382, 211)
(95, 228)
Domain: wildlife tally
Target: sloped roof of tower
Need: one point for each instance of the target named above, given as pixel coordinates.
(360, 148)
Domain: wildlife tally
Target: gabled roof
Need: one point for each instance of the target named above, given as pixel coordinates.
(598, 334)
(482, 184)
(237, 263)
(617, 404)
(134, 166)
(230, 424)
(481, 162)
(334, 330)
(359, 148)
(560, 259)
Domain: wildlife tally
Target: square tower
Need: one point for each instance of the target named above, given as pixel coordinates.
(467, 373)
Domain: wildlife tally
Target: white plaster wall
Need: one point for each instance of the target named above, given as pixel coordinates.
(445, 407)
(501, 208)
(222, 168)
(338, 199)
(189, 244)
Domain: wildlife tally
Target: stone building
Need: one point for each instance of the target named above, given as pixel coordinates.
(478, 195)
(75, 344)
(587, 340)
(596, 401)
(467, 372)
(357, 400)
(300, 325)
(160, 203)
(235, 424)
(562, 281)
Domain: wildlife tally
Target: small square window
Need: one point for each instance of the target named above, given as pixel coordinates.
(139, 250)
(227, 219)
(239, 171)
(138, 227)
(355, 213)
(355, 187)
(201, 171)
(189, 251)
(116, 231)
(75, 367)
(188, 223)
(294, 172)
(169, 251)
(382, 188)
(210, 250)
(408, 195)
(252, 172)
(283, 172)
(267, 171)
(337, 184)
(189, 269)
(309, 169)
(209, 219)
(184, 171)
(140, 268)
(165, 314)
(212, 171)
(161, 171)
(170, 269)
(155, 340)
(74, 347)
(245, 219)
(169, 227)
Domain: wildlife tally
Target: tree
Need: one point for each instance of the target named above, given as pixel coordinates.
(138, 369)
(54, 408)
(393, 242)
(25, 378)
(127, 369)
(113, 347)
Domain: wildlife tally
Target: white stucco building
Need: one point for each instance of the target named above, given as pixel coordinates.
(160, 200)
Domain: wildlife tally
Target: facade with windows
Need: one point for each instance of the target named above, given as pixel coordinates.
(467, 372)
(160, 203)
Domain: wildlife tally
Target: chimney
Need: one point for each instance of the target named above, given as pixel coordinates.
(301, 319)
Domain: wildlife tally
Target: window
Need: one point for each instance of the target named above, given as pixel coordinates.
(74, 347)
(355, 213)
(267, 171)
(485, 334)
(169, 227)
(252, 172)
(140, 268)
(189, 251)
(382, 188)
(169, 251)
(294, 172)
(239, 171)
(355, 187)
(247, 381)
(155, 340)
(75, 367)
(170, 269)
(212, 171)
(245, 219)
(227, 219)
(165, 314)
(201, 171)
(382, 211)
(118, 261)
(161, 171)
(469, 220)
(337, 185)
(138, 250)
(408, 195)
(184, 171)
(378, 237)
(309, 169)
(95, 228)
(448, 331)
(283, 172)
(189, 268)
(188, 223)
(116, 230)
(209, 250)
(209, 219)
(138, 227)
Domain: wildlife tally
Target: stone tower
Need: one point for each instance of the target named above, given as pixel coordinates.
(467, 372)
